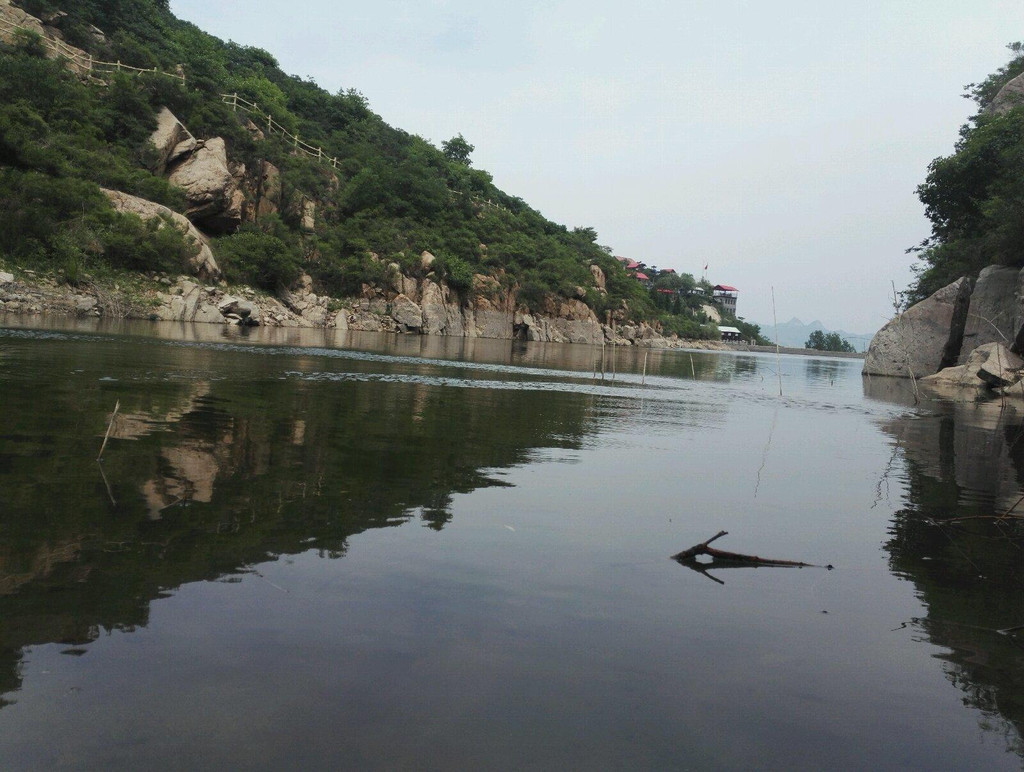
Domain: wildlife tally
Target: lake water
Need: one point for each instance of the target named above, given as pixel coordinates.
(309, 550)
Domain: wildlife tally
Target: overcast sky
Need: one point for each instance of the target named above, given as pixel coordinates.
(780, 143)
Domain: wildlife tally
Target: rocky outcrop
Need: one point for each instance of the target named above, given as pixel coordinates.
(407, 313)
(268, 190)
(203, 263)
(989, 366)
(600, 280)
(171, 140)
(564, 321)
(923, 339)
(308, 220)
(210, 186)
(1010, 96)
(994, 313)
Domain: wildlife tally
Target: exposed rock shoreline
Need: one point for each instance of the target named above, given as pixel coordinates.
(430, 308)
(963, 341)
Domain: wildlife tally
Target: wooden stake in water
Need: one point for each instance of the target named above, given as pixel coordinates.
(643, 380)
(602, 361)
(778, 357)
(117, 406)
(692, 368)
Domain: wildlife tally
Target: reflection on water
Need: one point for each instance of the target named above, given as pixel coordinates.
(505, 514)
(964, 463)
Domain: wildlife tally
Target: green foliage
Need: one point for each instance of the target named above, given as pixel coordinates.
(263, 259)
(68, 225)
(752, 332)
(821, 341)
(975, 197)
(457, 273)
(392, 193)
(458, 150)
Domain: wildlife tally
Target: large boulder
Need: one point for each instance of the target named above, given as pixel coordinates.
(210, 186)
(406, 312)
(994, 313)
(202, 262)
(432, 303)
(171, 139)
(923, 339)
(1010, 96)
(990, 365)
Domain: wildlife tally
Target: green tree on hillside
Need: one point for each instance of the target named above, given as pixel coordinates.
(457, 149)
(975, 197)
(821, 341)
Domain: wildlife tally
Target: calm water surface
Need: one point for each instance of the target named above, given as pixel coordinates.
(305, 549)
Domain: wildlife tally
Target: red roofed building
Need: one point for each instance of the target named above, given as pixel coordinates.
(641, 277)
(632, 265)
(726, 297)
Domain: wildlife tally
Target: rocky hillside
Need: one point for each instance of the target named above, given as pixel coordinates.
(133, 141)
(969, 333)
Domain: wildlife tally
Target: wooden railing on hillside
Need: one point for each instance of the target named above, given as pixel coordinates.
(267, 123)
(86, 64)
(82, 60)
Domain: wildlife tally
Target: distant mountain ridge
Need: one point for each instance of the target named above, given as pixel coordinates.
(795, 333)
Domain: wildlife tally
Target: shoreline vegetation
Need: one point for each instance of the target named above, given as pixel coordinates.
(192, 156)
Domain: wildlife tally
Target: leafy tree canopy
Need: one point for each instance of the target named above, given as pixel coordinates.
(822, 341)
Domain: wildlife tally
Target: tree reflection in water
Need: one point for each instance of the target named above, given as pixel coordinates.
(964, 465)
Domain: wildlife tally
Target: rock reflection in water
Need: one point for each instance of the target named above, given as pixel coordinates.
(964, 463)
(217, 462)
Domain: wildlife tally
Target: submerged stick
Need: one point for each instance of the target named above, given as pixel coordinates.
(110, 493)
(117, 406)
(643, 380)
(693, 369)
(725, 559)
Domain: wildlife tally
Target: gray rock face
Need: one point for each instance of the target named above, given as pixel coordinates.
(406, 312)
(991, 365)
(6, 278)
(243, 309)
(1001, 368)
(1010, 96)
(171, 140)
(432, 303)
(994, 313)
(923, 339)
(202, 263)
(209, 186)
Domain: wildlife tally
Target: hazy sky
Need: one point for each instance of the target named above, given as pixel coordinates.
(780, 143)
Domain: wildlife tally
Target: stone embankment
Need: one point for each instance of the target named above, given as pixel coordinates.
(966, 338)
(430, 308)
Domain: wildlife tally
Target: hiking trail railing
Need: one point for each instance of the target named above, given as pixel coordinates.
(267, 123)
(82, 61)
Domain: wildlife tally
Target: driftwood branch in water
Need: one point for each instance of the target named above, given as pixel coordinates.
(723, 559)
